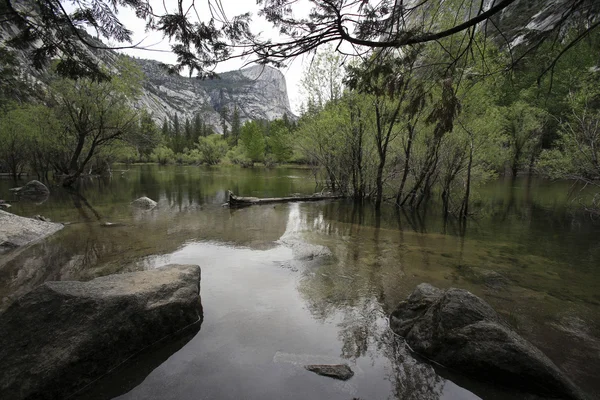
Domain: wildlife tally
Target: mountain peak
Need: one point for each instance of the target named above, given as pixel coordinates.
(258, 92)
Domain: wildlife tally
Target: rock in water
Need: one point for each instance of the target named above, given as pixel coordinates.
(63, 335)
(461, 331)
(16, 231)
(144, 203)
(33, 190)
(337, 371)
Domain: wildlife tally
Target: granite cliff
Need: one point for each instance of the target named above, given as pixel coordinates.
(259, 92)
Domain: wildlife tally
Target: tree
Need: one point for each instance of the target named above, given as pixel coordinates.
(224, 113)
(166, 129)
(280, 141)
(235, 127)
(94, 115)
(49, 29)
(188, 133)
(176, 139)
(523, 126)
(321, 81)
(198, 128)
(162, 155)
(16, 137)
(212, 149)
(577, 154)
(253, 141)
(146, 137)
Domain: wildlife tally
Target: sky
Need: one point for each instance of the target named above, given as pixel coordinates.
(158, 48)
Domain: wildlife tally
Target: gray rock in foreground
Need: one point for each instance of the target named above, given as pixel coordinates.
(337, 371)
(144, 203)
(16, 231)
(63, 335)
(33, 190)
(461, 331)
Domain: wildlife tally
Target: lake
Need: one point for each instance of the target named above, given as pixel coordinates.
(292, 284)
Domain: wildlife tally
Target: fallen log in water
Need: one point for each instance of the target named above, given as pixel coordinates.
(237, 201)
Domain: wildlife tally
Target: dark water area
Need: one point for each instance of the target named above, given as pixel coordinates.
(306, 283)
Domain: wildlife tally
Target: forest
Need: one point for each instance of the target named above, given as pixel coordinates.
(404, 125)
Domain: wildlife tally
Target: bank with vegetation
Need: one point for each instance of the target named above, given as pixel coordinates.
(404, 127)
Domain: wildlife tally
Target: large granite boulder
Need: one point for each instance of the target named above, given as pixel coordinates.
(461, 331)
(33, 190)
(63, 335)
(16, 231)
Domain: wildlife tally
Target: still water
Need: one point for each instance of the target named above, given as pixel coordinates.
(306, 283)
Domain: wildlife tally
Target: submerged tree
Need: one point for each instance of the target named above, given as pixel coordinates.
(94, 114)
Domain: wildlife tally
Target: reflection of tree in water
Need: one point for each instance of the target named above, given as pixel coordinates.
(350, 289)
(360, 325)
(363, 331)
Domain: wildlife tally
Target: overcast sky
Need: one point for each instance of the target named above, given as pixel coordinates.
(154, 40)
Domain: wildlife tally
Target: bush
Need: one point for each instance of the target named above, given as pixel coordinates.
(162, 155)
(212, 149)
(237, 156)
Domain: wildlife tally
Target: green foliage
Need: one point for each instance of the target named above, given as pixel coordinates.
(577, 155)
(280, 141)
(16, 136)
(523, 126)
(212, 149)
(253, 141)
(237, 155)
(322, 81)
(163, 155)
(235, 127)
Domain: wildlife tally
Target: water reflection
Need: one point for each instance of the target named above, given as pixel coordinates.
(317, 280)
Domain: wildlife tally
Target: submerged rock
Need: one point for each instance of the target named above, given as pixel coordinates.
(337, 371)
(33, 190)
(461, 331)
(144, 203)
(16, 231)
(63, 335)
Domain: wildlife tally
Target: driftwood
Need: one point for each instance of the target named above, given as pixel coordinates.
(237, 201)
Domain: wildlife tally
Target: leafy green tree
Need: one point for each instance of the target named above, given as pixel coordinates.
(16, 134)
(212, 149)
(162, 155)
(577, 153)
(94, 115)
(523, 125)
(144, 139)
(280, 141)
(253, 141)
(321, 81)
(50, 28)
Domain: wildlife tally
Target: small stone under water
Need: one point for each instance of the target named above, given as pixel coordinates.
(337, 371)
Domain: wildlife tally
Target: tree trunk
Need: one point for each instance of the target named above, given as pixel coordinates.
(407, 152)
(464, 212)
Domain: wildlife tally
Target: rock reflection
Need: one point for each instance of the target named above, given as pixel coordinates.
(133, 372)
(83, 251)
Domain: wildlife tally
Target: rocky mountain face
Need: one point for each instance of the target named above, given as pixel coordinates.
(258, 92)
